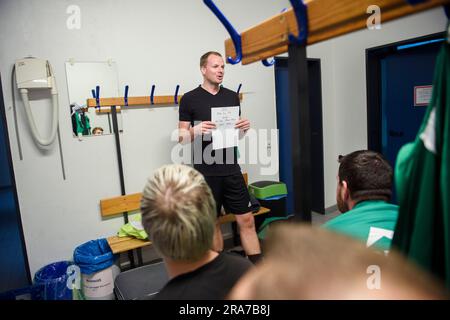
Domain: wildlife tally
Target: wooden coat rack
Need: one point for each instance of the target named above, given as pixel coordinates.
(326, 19)
(141, 101)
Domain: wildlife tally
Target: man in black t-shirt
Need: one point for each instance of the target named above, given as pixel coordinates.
(220, 167)
(179, 215)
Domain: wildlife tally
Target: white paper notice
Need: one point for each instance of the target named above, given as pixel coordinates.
(225, 135)
(422, 95)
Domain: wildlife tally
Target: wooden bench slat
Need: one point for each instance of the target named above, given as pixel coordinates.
(123, 244)
(117, 205)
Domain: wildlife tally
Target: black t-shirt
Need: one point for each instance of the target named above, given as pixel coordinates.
(212, 281)
(195, 106)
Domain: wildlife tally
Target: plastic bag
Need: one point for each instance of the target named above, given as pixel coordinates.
(93, 256)
(50, 282)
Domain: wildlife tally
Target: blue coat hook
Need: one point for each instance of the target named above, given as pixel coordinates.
(239, 88)
(233, 33)
(97, 96)
(126, 95)
(151, 95)
(268, 63)
(175, 98)
(301, 14)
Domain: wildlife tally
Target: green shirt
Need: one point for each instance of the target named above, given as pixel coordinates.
(372, 221)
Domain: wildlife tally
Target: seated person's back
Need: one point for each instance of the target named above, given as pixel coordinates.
(212, 281)
(179, 215)
(363, 190)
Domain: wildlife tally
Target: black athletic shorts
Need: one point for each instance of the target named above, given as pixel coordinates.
(231, 192)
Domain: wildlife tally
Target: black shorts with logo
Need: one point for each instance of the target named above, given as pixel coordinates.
(231, 192)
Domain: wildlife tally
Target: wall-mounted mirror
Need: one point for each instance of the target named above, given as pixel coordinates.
(82, 77)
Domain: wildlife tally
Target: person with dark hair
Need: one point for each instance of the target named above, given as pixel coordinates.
(364, 187)
(220, 167)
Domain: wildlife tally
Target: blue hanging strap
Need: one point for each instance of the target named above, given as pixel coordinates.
(175, 98)
(93, 93)
(126, 96)
(239, 88)
(97, 97)
(151, 95)
(301, 14)
(235, 36)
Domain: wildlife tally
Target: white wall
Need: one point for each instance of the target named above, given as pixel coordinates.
(153, 42)
(157, 42)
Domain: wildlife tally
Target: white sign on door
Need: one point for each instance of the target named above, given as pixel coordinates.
(422, 95)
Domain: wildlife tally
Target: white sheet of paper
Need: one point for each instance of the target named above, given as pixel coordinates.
(225, 135)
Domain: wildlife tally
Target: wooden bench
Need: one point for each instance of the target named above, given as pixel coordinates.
(131, 203)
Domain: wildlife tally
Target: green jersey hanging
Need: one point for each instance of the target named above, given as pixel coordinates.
(423, 182)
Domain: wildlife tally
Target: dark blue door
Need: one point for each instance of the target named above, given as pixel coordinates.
(14, 272)
(284, 134)
(405, 74)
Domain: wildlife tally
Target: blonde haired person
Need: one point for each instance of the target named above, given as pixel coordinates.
(179, 215)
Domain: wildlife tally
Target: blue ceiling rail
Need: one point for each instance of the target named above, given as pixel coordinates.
(418, 44)
(235, 36)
